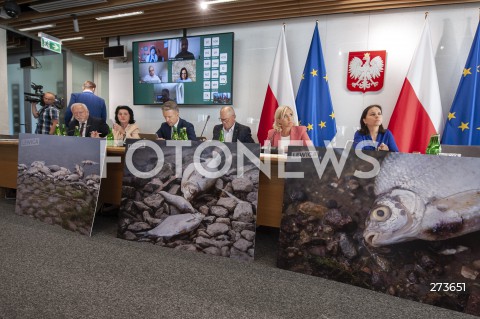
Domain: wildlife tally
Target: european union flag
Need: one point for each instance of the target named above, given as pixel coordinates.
(463, 124)
(314, 104)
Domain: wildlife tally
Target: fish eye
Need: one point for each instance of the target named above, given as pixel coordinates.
(381, 214)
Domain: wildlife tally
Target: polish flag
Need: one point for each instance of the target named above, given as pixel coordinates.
(279, 90)
(418, 112)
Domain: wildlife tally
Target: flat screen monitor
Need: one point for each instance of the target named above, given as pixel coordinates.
(196, 70)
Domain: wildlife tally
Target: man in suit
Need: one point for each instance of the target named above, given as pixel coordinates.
(232, 130)
(89, 126)
(96, 105)
(173, 121)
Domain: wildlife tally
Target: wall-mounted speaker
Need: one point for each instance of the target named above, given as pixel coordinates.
(115, 52)
(29, 63)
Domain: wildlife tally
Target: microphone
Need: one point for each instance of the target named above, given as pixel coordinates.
(201, 135)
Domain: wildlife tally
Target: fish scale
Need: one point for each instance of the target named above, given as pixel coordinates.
(428, 176)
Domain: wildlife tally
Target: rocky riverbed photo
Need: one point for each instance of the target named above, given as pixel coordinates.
(186, 209)
(412, 231)
(58, 183)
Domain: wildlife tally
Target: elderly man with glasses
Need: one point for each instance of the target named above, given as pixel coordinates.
(232, 130)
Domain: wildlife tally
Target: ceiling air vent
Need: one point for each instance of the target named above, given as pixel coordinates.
(63, 4)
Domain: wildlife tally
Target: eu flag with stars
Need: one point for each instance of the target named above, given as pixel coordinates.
(463, 123)
(314, 104)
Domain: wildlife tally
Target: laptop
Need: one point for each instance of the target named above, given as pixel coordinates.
(148, 136)
(464, 150)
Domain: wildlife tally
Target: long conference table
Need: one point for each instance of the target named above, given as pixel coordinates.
(270, 194)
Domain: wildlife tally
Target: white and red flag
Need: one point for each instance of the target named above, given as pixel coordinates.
(279, 90)
(418, 112)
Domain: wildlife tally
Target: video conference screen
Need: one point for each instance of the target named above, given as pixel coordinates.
(196, 70)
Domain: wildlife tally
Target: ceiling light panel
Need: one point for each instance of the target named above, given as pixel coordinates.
(63, 4)
(100, 10)
(38, 27)
(120, 15)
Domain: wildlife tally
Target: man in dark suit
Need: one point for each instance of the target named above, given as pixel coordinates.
(96, 105)
(232, 130)
(173, 121)
(89, 126)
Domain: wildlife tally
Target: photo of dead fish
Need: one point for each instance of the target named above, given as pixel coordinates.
(412, 231)
(187, 210)
(58, 180)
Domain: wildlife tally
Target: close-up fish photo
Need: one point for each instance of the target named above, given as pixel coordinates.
(411, 231)
(204, 205)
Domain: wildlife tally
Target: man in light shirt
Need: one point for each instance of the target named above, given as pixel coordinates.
(232, 130)
(151, 77)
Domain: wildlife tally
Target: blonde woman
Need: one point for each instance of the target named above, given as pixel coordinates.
(285, 132)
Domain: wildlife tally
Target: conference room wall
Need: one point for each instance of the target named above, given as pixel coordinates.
(397, 31)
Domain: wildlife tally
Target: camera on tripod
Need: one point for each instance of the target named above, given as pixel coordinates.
(37, 97)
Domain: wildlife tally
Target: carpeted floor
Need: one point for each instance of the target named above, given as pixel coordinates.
(48, 272)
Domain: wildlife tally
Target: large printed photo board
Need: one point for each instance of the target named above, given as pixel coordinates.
(59, 179)
(407, 225)
(191, 196)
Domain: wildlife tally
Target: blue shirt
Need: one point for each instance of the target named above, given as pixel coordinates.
(385, 138)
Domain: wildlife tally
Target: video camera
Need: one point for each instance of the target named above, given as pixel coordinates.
(37, 97)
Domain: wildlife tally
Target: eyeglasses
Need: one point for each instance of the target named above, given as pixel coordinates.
(224, 120)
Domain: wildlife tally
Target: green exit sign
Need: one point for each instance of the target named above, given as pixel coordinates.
(51, 45)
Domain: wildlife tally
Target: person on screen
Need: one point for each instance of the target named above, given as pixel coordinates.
(124, 126)
(371, 129)
(151, 77)
(88, 126)
(48, 115)
(184, 76)
(165, 96)
(232, 130)
(185, 54)
(152, 57)
(174, 122)
(285, 132)
(96, 105)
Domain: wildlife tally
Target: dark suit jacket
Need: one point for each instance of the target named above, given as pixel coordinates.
(241, 133)
(96, 105)
(165, 131)
(93, 124)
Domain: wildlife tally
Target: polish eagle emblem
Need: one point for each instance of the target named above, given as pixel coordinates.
(366, 70)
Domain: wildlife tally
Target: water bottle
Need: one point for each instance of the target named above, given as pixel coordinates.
(57, 130)
(77, 131)
(183, 134)
(434, 147)
(110, 137)
(175, 136)
(221, 138)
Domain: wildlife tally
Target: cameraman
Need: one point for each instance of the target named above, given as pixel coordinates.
(47, 116)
